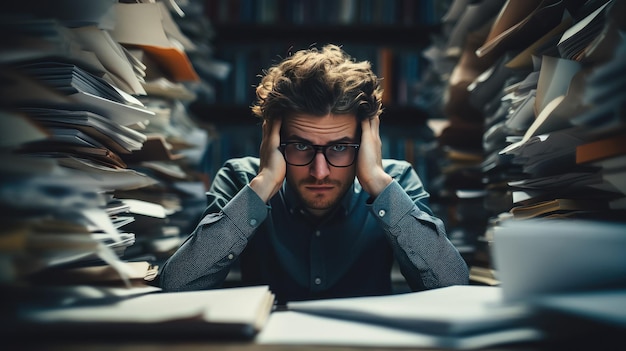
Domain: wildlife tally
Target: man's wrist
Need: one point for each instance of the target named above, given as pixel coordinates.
(263, 188)
(378, 184)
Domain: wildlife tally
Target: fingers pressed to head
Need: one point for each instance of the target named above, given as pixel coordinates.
(375, 124)
(276, 122)
(371, 125)
(266, 127)
(271, 129)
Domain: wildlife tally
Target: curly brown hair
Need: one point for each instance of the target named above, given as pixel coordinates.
(319, 82)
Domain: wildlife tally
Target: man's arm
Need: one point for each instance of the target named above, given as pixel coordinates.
(204, 259)
(232, 217)
(426, 257)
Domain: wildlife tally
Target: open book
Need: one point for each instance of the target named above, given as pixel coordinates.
(230, 313)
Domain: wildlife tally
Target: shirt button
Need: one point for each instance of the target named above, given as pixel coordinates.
(318, 281)
(252, 222)
(231, 256)
(381, 213)
(318, 233)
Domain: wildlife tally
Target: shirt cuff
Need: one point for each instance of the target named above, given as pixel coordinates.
(246, 210)
(392, 204)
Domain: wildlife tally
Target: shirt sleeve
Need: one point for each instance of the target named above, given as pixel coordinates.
(426, 257)
(204, 259)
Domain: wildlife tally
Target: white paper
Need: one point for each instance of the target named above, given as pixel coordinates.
(294, 328)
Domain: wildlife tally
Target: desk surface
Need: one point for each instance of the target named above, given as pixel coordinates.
(571, 341)
(225, 346)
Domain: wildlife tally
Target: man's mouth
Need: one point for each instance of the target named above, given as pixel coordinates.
(319, 188)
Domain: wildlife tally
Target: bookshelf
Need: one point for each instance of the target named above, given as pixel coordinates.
(395, 53)
(252, 35)
(304, 12)
(222, 114)
(389, 34)
(398, 61)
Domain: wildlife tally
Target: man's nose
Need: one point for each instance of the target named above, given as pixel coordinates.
(319, 168)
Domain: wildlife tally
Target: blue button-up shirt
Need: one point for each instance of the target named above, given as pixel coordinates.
(349, 253)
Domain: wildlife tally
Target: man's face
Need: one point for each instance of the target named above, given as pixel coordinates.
(320, 185)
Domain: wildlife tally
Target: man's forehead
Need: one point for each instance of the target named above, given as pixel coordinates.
(320, 129)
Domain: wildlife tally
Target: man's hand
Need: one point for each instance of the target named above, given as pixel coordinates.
(370, 170)
(272, 163)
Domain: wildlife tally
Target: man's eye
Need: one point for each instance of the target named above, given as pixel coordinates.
(301, 147)
(338, 148)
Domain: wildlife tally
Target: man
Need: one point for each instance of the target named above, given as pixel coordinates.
(319, 214)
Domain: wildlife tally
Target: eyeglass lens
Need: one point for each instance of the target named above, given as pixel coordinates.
(338, 155)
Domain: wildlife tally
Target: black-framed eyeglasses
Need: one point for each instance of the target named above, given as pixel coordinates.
(298, 153)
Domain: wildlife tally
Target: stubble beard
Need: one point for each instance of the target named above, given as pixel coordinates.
(322, 202)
